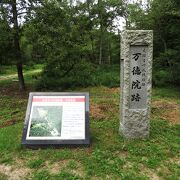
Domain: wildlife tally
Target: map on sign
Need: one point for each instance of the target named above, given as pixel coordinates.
(138, 77)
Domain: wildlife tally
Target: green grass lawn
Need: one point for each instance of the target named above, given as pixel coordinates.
(110, 156)
(9, 74)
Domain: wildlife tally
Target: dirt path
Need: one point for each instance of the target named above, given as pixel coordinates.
(12, 76)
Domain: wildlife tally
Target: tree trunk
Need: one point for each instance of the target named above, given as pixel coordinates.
(20, 76)
(101, 32)
(17, 48)
(94, 56)
(119, 34)
(169, 62)
(109, 51)
(100, 50)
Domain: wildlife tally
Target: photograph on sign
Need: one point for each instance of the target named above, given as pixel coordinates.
(57, 118)
(45, 121)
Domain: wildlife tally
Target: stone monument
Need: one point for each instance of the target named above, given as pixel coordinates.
(136, 75)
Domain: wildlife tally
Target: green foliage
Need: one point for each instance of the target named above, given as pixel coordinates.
(107, 75)
(42, 175)
(78, 75)
(63, 36)
(26, 49)
(168, 93)
(83, 74)
(161, 78)
(71, 42)
(163, 19)
(6, 159)
(67, 175)
(167, 68)
(34, 164)
(6, 39)
(40, 129)
(5, 70)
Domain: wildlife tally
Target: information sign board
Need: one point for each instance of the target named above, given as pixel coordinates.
(57, 119)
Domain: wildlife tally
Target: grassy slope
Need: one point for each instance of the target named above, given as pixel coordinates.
(110, 155)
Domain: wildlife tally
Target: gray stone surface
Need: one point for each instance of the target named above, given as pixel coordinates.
(135, 112)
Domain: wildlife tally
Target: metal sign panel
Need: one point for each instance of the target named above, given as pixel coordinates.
(57, 119)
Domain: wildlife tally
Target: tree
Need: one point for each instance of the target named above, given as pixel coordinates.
(11, 12)
(164, 19)
(105, 13)
(61, 41)
(6, 39)
(64, 35)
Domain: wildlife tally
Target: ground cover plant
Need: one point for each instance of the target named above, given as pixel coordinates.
(110, 156)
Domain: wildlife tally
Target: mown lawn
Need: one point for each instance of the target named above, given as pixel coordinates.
(110, 156)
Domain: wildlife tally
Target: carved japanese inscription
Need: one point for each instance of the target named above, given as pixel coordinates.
(138, 79)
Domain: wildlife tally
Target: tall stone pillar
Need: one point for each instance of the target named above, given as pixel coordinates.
(136, 76)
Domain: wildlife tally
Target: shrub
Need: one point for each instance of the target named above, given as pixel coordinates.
(63, 77)
(160, 78)
(83, 74)
(166, 68)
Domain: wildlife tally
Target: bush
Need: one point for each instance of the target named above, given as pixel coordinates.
(63, 77)
(160, 78)
(83, 74)
(167, 68)
(107, 75)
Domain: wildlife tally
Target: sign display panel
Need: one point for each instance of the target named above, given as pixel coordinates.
(57, 118)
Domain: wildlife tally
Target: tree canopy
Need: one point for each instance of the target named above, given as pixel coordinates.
(69, 37)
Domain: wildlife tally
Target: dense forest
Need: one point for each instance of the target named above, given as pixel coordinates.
(76, 40)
